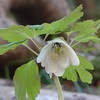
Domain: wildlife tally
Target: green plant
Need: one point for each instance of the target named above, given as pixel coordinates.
(26, 78)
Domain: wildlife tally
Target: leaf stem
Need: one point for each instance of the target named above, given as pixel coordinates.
(44, 39)
(30, 49)
(58, 86)
(75, 44)
(33, 42)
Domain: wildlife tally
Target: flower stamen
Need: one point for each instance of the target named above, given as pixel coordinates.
(57, 47)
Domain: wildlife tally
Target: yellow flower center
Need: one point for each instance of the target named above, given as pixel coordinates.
(56, 49)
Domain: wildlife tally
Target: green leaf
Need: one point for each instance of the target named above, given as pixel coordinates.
(84, 48)
(74, 16)
(87, 65)
(27, 81)
(85, 76)
(36, 27)
(19, 33)
(97, 24)
(86, 31)
(72, 71)
(83, 38)
(95, 39)
(70, 74)
(85, 27)
(59, 26)
(16, 33)
(10, 46)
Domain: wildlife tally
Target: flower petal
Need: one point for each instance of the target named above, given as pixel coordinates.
(71, 53)
(65, 57)
(52, 66)
(60, 71)
(47, 69)
(44, 63)
(74, 60)
(42, 56)
(63, 60)
(50, 74)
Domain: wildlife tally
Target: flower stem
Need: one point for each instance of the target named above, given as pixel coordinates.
(58, 86)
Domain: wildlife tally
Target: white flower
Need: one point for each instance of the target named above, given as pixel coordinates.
(56, 56)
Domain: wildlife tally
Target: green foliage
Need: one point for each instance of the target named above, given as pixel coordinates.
(86, 31)
(84, 48)
(26, 77)
(85, 63)
(70, 74)
(20, 33)
(26, 80)
(61, 25)
(85, 27)
(10, 46)
(16, 33)
(97, 24)
(84, 75)
(72, 71)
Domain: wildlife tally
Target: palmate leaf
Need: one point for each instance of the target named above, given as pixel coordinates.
(72, 72)
(84, 75)
(61, 25)
(87, 31)
(19, 33)
(16, 33)
(85, 48)
(83, 38)
(85, 63)
(85, 27)
(97, 24)
(10, 46)
(27, 81)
